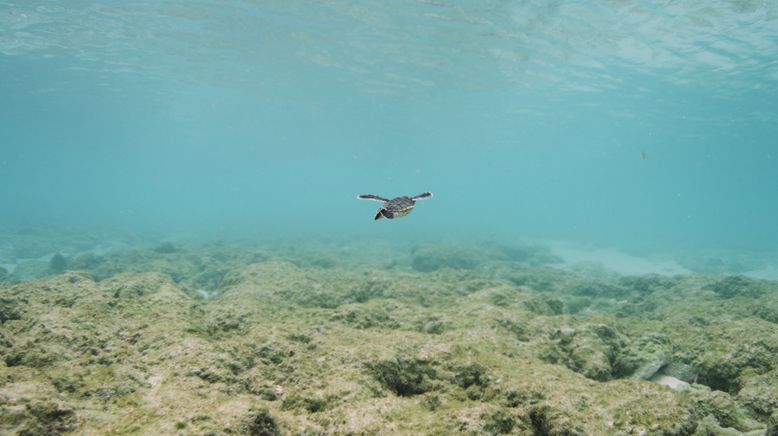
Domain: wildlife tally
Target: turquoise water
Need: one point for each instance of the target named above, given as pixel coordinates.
(641, 125)
(182, 250)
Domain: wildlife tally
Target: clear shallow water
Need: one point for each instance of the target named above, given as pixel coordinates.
(637, 125)
(178, 217)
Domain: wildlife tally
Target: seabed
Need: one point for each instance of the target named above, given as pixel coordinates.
(443, 338)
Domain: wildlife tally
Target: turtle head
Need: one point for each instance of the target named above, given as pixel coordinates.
(384, 213)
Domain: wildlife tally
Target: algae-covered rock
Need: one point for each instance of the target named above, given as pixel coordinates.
(721, 406)
(647, 284)
(643, 357)
(489, 420)
(726, 354)
(680, 371)
(669, 381)
(760, 394)
(517, 327)
(318, 260)
(285, 283)
(430, 258)
(288, 347)
(732, 286)
(548, 419)
(432, 325)
(197, 268)
(772, 425)
(370, 289)
(58, 263)
(306, 403)
(532, 280)
(474, 378)
(167, 247)
(726, 373)
(403, 376)
(10, 309)
(544, 305)
(576, 304)
(708, 425)
(500, 421)
(86, 262)
(600, 289)
(589, 350)
(367, 317)
(767, 310)
(717, 265)
(152, 286)
(653, 410)
(535, 255)
(30, 270)
(470, 375)
(30, 244)
(36, 418)
(501, 298)
(260, 423)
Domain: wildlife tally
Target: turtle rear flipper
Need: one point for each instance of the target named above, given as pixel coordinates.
(372, 198)
(423, 196)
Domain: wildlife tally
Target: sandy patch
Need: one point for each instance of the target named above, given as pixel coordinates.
(616, 261)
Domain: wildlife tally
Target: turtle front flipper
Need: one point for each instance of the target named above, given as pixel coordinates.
(372, 198)
(423, 196)
(379, 214)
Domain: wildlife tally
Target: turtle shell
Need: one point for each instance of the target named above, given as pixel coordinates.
(397, 207)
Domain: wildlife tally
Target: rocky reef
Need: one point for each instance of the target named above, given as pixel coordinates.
(217, 339)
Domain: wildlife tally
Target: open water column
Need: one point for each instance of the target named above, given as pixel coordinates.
(183, 249)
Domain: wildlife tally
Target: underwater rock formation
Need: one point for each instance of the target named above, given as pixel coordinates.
(167, 247)
(647, 284)
(643, 356)
(733, 286)
(260, 423)
(680, 371)
(285, 347)
(534, 255)
(590, 350)
(760, 393)
(403, 376)
(544, 305)
(432, 258)
(57, 263)
(30, 270)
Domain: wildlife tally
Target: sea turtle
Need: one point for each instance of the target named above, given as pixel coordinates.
(396, 207)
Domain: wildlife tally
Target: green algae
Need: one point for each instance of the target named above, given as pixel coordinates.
(732, 286)
(282, 345)
(545, 305)
(10, 309)
(404, 376)
(261, 423)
